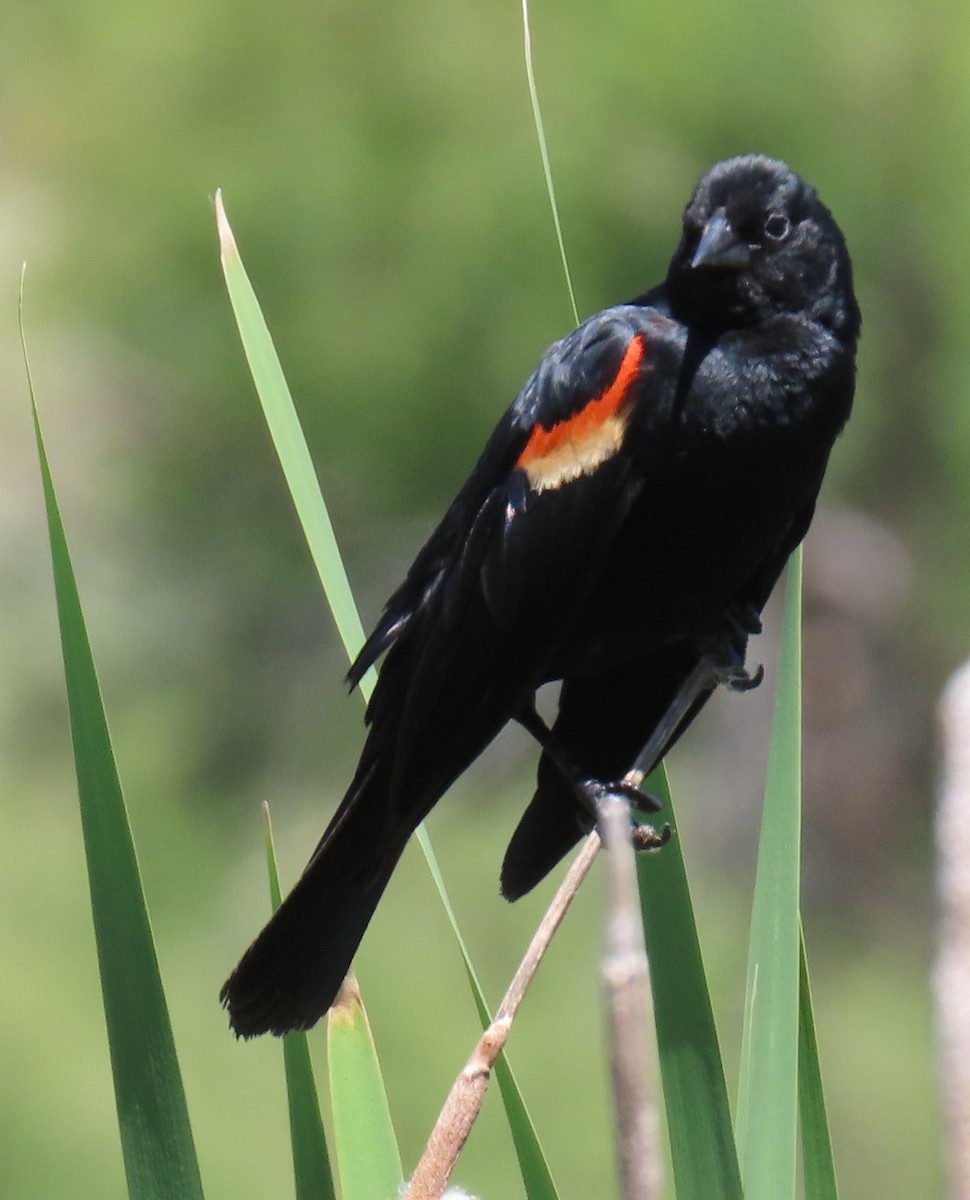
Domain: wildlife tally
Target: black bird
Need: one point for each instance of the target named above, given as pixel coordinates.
(621, 532)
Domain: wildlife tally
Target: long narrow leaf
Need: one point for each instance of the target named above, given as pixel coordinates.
(544, 155)
(702, 1150)
(284, 427)
(282, 419)
(768, 1091)
(367, 1155)
(156, 1138)
(818, 1165)
(311, 1160)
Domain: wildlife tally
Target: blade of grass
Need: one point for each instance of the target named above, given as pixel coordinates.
(544, 153)
(818, 1164)
(367, 1155)
(291, 446)
(768, 1091)
(156, 1138)
(702, 1150)
(311, 1160)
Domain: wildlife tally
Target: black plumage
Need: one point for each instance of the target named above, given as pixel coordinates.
(627, 519)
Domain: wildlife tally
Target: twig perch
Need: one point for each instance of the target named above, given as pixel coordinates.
(626, 979)
(625, 970)
(464, 1101)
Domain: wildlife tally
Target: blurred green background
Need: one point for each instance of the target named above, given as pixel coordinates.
(380, 169)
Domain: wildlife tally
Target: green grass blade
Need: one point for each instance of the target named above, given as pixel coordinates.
(818, 1165)
(367, 1155)
(702, 1150)
(311, 508)
(536, 1176)
(156, 1138)
(311, 1160)
(544, 153)
(284, 427)
(768, 1091)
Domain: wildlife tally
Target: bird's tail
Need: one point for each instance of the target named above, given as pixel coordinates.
(289, 976)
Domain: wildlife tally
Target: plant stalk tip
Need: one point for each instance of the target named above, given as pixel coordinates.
(227, 242)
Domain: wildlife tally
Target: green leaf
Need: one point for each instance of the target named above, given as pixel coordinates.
(311, 1160)
(367, 1155)
(818, 1165)
(768, 1091)
(287, 435)
(702, 1150)
(544, 155)
(282, 418)
(156, 1138)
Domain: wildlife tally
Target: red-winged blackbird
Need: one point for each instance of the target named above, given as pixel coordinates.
(625, 524)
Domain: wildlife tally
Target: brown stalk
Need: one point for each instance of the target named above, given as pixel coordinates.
(627, 986)
(464, 1101)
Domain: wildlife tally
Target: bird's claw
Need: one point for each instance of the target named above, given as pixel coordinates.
(595, 790)
(645, 837)
(739, 679)
(726, 653)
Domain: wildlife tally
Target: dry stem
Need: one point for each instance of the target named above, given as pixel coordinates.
(468, 1091)
(626, 979)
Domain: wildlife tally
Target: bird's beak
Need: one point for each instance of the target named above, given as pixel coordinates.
(720, 246)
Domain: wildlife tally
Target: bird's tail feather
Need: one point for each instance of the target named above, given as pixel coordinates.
(289, 976)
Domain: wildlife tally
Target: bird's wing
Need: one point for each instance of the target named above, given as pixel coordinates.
(567, 419)
(502, 580)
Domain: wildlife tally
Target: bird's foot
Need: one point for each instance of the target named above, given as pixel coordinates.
(645, 837)
(592, 791)
(588, 791)
(726, 652)
(740, 679)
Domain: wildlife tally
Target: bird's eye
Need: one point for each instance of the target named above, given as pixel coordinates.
(777, 227)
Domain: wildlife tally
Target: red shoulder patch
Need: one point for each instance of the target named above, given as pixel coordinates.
(593, 433)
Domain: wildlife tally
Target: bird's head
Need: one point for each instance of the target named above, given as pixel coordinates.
(758, 243)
